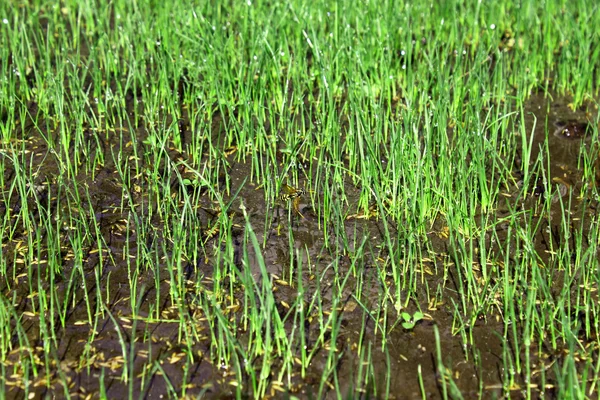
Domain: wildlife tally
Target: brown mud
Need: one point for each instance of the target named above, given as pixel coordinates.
(99, 196)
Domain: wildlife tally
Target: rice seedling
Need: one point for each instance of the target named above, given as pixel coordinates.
(299, 199)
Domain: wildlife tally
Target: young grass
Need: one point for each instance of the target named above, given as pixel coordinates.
(132, 131)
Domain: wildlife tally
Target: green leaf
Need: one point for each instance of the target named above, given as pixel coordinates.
(408, 325)
(417, 316)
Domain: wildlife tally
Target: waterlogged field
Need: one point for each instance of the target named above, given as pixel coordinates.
(299, 199)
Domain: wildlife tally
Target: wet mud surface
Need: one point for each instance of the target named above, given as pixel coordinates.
(98, 195)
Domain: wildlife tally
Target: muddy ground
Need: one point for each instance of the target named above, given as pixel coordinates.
(98, 196)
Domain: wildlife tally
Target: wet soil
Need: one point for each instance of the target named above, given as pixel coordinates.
(98, 196)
